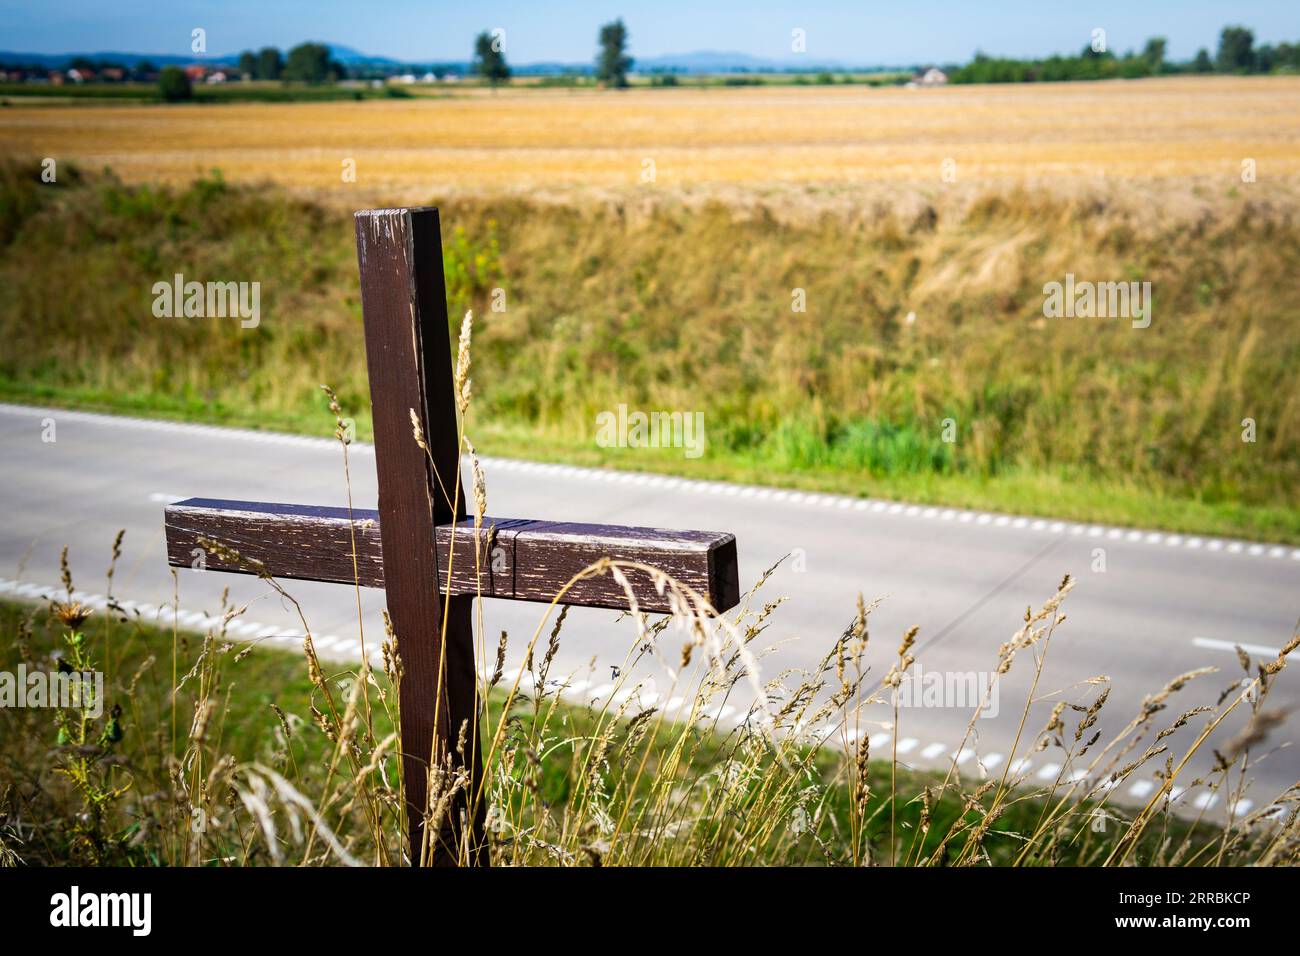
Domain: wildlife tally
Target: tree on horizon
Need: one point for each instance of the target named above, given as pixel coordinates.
(612, 63)
(1236, 50)
(490, 59)
(311, 63)
(270, 64)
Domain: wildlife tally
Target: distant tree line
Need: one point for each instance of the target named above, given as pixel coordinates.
(99, 69)
(1237, 54)
(313, 63)
(612, 60)
(306, 63)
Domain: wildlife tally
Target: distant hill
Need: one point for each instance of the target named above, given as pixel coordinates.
(353, 57)
(700, 61)
(706, 61)
(56, 61)
(715, 61)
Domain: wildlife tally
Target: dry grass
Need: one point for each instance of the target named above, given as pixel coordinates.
(285, 762)
(1172, 129)
(677, 306)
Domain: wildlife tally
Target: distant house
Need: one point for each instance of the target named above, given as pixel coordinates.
(931, 77)
(113, 74)
(195, 73)
(80, 76)
(216, 77)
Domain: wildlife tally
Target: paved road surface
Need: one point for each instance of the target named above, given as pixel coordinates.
(1164, 604)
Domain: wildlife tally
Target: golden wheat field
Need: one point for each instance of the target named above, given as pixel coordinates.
(1163, 129)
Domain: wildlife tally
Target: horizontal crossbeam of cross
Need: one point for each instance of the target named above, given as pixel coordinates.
(519, 559)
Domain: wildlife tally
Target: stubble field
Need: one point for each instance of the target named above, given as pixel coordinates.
(1179, 128)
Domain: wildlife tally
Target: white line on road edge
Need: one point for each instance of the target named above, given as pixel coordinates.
(164, 614)
(1261, 649)
(1219, 546)
(333, 647)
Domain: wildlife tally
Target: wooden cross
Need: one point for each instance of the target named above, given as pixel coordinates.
(406, 546)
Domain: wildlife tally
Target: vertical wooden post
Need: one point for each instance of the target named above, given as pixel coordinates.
(408, 351)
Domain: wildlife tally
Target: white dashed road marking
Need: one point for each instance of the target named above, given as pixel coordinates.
(1261, 650)
(340, 647)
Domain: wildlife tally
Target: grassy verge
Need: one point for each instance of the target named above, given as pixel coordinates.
(219, 752)
(1031, 493)
(921, 367)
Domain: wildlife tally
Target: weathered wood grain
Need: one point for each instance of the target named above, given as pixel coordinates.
(408, 359)
(549, 553)
(519, 559)
(287, 541)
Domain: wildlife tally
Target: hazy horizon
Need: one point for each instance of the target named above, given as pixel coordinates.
(565, 30)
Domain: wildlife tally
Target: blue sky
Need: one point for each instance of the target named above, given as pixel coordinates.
(866, 31)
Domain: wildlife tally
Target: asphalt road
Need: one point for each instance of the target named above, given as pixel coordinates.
(1163, 605)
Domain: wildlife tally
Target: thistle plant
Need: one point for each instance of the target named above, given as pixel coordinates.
(85, 737)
